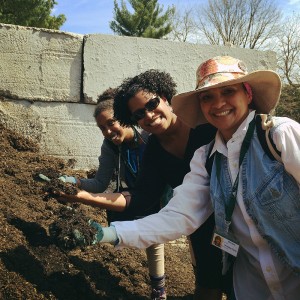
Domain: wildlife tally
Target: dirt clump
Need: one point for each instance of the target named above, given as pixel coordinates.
(38, 259)
(55, 187)
(71, 229)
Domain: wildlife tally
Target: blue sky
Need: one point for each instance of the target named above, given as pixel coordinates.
(93, 16)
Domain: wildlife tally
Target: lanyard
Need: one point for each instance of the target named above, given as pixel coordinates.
(229, 207)
(133, 160)
(132, 155)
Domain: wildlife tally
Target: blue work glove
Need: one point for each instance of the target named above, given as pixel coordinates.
(102, 235)
(69, 179)
(99, 234)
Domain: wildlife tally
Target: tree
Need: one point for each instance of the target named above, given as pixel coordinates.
(288, 50)
(243, 23)
(34, 13)
(183, 26)
(146, 21)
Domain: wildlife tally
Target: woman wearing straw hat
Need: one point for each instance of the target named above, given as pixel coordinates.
(256, 200)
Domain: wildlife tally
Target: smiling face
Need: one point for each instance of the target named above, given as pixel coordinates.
(156, 121)
(111, 129)
(225, 107)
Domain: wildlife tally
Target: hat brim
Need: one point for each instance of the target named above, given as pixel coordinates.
(266, 89)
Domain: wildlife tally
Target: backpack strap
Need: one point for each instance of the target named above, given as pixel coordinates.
(264, 123)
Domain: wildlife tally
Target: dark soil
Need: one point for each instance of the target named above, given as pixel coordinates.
(38, 263)
(69, 222)
(55, 187)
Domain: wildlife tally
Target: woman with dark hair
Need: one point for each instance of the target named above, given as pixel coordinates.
(144, 101)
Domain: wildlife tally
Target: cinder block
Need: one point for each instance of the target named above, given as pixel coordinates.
(108, 60)
(40, 64)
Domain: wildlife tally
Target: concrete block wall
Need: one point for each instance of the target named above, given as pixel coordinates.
(109, 59)
(40, 64)
(50, 80)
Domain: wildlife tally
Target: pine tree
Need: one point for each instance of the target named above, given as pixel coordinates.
(147, 20)
(35, 13)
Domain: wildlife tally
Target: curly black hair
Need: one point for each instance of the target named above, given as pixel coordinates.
(105, 101)
(152, 81)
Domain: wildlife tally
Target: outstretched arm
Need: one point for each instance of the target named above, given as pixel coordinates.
(187, 210)
(110, 201)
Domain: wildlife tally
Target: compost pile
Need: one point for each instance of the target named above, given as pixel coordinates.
(36, 263)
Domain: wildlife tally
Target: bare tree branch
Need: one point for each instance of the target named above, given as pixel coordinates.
(184, 26)
(288, 50)
(242, 23)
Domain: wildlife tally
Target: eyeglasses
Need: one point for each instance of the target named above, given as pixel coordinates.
(149, 106)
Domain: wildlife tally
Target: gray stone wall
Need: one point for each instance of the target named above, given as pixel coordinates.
(50, 80)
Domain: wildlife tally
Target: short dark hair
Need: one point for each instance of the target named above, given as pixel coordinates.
(105, 101)
(152, 81)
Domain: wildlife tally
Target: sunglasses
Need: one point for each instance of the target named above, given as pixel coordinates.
(149, 106)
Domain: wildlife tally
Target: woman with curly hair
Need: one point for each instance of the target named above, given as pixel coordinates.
(144, 101)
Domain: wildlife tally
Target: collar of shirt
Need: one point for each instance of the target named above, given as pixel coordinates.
(220, 145)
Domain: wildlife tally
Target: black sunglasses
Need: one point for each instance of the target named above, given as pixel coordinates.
(149, 106)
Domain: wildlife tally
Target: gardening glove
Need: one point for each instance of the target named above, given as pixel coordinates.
(102, 235)
(68, 179)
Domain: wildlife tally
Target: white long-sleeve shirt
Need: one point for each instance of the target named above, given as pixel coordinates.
(258, 273)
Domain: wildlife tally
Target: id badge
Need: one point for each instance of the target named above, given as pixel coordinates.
(225, 242)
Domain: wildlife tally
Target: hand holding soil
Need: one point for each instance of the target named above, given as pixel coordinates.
(55, 188)
(71, 229)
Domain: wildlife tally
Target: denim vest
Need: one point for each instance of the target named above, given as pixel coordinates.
(271, 197)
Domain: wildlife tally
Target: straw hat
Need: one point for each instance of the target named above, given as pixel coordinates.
(223, 71)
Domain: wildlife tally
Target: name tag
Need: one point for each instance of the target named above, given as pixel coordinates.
(225, 243)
